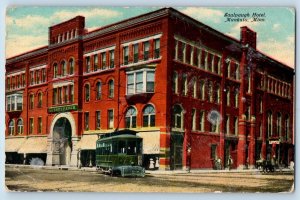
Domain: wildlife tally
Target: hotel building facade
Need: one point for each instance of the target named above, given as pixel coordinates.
(193, 94)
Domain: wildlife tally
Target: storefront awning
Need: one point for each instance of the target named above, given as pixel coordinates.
(87, 142)
(34, 145)
(13, 144)
(151, 142)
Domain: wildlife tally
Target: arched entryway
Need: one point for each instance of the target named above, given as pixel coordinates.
(62, 139)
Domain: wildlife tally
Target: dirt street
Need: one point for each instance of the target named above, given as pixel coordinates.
(28, 179)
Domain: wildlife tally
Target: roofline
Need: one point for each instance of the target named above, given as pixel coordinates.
(27, 54)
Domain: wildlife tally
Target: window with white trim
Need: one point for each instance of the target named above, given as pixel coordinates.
(140, 81)
(11, 127)
(20, 126)
(98, 90)
(149, 116)
(130, 118)
(14, 102)
(110, 118)
(177, 117)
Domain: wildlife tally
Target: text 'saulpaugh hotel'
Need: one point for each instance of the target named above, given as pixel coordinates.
(192, 93)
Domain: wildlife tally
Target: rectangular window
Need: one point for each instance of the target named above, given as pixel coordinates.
(8, 83)
(139, 82)
(31, 100)
(54, 98)
(43, 75)
(98, 120)
(23, 80)
(183, 49)
(110, 114)
(103, 60)
(40, 125)
(86, 121)
(156, 48)
(13, 82)
(213, 151)
(60, 95)
(96, 64)
(176, 49)
(38, 77)
(201, 118)
(8, 104)
(193, 119)
(13, 101)
(87, 64)
(31, 78)
(71, 87)
(146, 50)
(227, 123)
(112, 59)
(18, 82)
(66, 94)
(184, 85)
(19, 102)
(130, 84)
(236, 125)
(30, 125)
(135, 53)
(150, 81)
(125, 55)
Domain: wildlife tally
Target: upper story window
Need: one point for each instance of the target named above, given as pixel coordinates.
(71, 66)
(86, 121)
(140, 81)
(269, 123)
(96, 64)
(110, 120)
(287, 127)
(44, 75)
(156, 48)
(146, 46)
(31, 78)
(20, 126)
(112, 59)
(228, 96)
(135, 53)
(184, 85)
(149, 116)
(217, 94)
(103, 60)
(87, 92)
(63, 68)
(177, 117)
(202, 90)
(125, 55)
(40, 96)
(111, 87)
(14, 102)
(31, 101)
(98, 90)
(130, 117)
(55, 71)
(11, 127)
(175, 83)
(236, 98)
(8, 83)
(279, 123)
(87, 64)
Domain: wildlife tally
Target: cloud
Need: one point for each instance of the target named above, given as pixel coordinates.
(235, 30)
(16, 44)
(31, 21)
(276, 27)
(283, 51)
(204, 14)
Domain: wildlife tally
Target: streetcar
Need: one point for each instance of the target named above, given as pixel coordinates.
(120, 153)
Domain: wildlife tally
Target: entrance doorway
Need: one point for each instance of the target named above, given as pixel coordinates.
(62, 139)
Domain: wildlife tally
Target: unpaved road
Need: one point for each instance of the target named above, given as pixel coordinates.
(28, 179)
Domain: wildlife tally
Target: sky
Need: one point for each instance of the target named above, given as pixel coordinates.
(27, 27)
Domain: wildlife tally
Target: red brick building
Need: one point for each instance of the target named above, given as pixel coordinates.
(194, 94)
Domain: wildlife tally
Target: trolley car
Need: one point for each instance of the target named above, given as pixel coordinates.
(120, 153)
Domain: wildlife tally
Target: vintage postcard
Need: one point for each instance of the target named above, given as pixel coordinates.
(150, 99)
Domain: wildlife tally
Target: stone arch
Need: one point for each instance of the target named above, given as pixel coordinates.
(69, 117)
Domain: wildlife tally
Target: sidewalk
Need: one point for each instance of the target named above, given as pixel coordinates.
(154, 172)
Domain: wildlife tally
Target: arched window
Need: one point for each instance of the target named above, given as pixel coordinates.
(202, 90)
(71, 66)
(55, 70)
(31, 101)
(248, 113)
(40, 96)
(269, 123)
(111, 88)
(149, 116)
(63, 68)
(20, 126)
(98, 90)
(87, 92)
(279, 121)
(130, 117)
(175, 83)
(11, 127)
(217, 94)
(177, 117)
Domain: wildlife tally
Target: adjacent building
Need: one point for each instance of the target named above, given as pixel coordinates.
(195, 95)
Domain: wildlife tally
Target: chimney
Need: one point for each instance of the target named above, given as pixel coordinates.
(248, 37)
